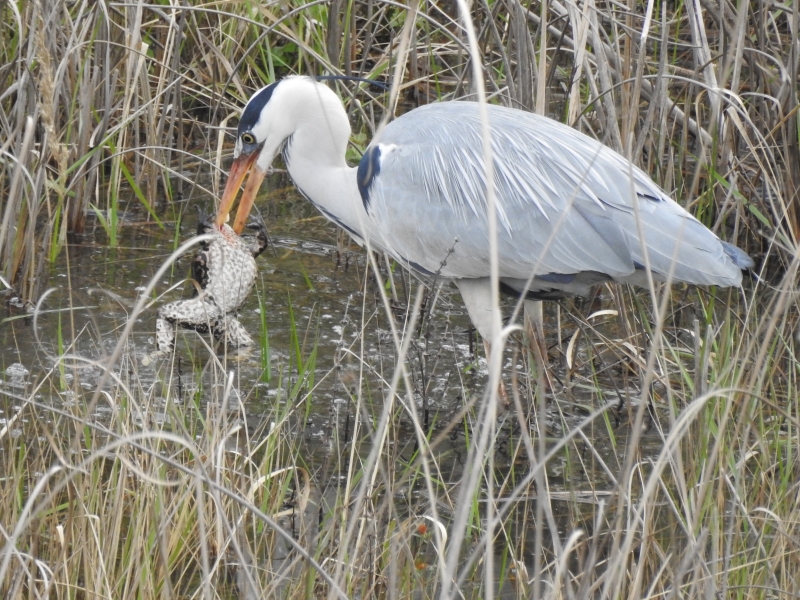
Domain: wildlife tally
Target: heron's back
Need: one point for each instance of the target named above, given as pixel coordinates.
(565, 203)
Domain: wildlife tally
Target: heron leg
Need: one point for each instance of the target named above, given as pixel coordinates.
(477, 296)
(501, 389)
(534, 327)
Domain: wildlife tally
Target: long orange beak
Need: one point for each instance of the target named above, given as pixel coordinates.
(238, 171)
(248, 197)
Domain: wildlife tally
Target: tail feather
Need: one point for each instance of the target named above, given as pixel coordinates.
(738, 256)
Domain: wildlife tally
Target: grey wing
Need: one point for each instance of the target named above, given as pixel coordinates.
(565, 203)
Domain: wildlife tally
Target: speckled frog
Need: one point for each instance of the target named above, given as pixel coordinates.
(225, 270)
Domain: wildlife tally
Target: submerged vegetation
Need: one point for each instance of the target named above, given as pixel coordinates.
(661, 460)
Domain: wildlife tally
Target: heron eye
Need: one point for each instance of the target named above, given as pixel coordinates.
(248, 138)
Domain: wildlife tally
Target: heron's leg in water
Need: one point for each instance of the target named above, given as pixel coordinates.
(501, 391)
(477, 296)
(534, 327)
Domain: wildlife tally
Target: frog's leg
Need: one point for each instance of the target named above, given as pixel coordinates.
(262, 236)
(198, 313)
(232, 332)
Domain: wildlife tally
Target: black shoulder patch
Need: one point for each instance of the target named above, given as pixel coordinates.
(254, 107)
(368, 169)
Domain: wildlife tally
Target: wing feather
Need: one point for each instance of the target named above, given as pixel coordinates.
(565, 202)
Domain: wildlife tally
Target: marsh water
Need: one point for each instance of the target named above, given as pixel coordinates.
(318, 317)
(313, 296)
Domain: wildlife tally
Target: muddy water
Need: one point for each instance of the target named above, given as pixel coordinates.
(325, 324)
(316, 300)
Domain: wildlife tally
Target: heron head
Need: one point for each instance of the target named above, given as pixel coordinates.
(260, 134)
(295, 105)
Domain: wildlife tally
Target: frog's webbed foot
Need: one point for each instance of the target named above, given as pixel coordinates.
(165, 341)
(262, 235)
(232, 332)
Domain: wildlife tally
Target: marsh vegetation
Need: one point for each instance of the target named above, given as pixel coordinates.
(358, 451)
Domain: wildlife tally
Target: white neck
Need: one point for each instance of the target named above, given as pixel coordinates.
(315, 153)
(331, 188)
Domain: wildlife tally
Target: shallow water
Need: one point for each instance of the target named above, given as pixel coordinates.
(322, 311)
(310, 270)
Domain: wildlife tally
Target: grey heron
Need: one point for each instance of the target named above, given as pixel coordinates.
(571, 212)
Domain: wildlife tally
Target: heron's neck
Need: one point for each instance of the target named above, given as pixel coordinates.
(315, 158)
